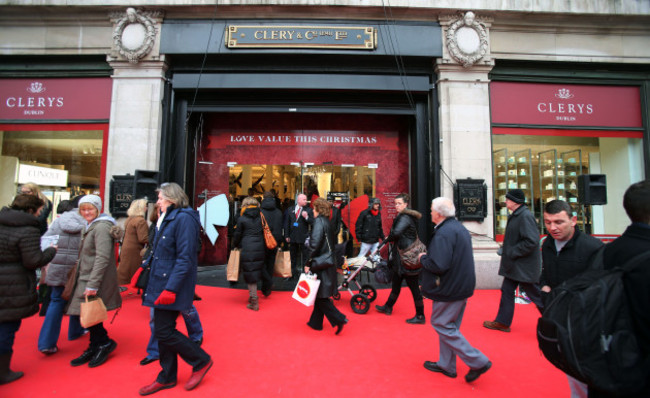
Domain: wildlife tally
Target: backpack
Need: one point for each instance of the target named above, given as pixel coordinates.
(587, 329)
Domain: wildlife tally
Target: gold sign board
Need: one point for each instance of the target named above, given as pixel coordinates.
(329, 37)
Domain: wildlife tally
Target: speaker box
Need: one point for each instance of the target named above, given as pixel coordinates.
(592, 189)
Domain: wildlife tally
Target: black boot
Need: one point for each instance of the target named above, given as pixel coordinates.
(102, 353)
(388, 307)
(416, 320)
(6, 374)
(84, 357)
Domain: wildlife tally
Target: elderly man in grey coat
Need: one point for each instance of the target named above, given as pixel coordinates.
(521, 263)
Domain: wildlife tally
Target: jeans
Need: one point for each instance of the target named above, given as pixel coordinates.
(192, 323)
(51, 327)
(367, 248)
(8, 331)
(173, 343)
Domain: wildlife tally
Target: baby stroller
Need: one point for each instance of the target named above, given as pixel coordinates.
(360, 301)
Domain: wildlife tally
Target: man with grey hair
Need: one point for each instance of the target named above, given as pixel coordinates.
(448, 278)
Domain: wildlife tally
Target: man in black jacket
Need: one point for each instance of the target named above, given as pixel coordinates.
(520, 260)
(566, 252)
(449, 257)
(634, 241)
(369, 229)
(296, 230)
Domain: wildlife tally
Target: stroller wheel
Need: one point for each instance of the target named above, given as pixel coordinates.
(360, 303)
(369, 291)
(337, 296)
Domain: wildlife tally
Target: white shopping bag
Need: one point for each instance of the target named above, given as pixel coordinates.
(306, 289)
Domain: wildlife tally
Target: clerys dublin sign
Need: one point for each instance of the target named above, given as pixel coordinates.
(334, 37)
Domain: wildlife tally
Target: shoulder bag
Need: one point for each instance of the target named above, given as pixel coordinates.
(409, 256)
(325, 260)
(269, 240)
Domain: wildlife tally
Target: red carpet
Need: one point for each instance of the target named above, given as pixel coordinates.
(273, 353)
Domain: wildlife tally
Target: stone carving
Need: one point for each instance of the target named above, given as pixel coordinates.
(467, 40)
(134, 34)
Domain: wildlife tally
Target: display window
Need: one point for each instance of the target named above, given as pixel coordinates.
(545, 136)
(546, 163)
(65, 160)
(352, 157)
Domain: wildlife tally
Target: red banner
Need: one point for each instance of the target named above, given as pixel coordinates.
(565, 104)
(55, 99)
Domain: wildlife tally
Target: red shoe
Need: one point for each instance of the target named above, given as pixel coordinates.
(197, 376)
(155, 387)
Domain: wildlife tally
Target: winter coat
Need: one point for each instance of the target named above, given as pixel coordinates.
(521, 258)
(318, 245)
(68, 226)
(136, 235)
(575, 257)
(249, 237)
(42, 217)
(174, 258)
(449, 256)
(273, 217)
(403, 232)
(368, 227)
(20, 255)
(96, 269)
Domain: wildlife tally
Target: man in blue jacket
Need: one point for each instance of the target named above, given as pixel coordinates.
(448, 278)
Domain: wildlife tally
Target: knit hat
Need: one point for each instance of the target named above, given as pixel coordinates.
(93, 200)
(375, 201)
(516, 195)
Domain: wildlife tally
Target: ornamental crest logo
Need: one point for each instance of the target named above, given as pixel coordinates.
(36, 87)
(564, 93)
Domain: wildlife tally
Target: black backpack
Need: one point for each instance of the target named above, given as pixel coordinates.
(587, 330)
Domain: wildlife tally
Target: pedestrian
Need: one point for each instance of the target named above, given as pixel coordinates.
(321, 241)
(402, 234)
(249, 237)
(273, 217)
(448, 278)
(31, 188)
(634, 241)
(298, 220)
(96, 275)
(190, 316)
(20, 255)
(369, 229)
(67, 227)
(171, 286)
(136, 236)
(566, 252)
(520, 261)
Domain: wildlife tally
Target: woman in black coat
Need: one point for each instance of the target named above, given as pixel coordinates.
(20, 255)
(403, 233)
(249, 236)
(273, 217)
(321, 241)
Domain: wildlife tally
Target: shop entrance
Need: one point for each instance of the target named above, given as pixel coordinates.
(287, 181)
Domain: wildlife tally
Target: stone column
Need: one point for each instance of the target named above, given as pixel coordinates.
(138, 86)
(464, 120)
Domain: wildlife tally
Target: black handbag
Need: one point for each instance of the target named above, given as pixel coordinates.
(143, 278)
(325, 260)
(383, 273)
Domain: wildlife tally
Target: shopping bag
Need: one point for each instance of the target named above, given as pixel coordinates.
(306, 289)
(232, 270)
(282, 267)
(93, 311)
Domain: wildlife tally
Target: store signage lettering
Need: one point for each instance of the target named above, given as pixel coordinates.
(70, 99)
(565, 104)
(300, 139)
(341, 37)
(42, 176)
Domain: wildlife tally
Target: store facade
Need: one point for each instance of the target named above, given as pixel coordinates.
(362, 100)
(53, 132)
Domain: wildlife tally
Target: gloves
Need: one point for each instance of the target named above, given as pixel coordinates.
(166, 298)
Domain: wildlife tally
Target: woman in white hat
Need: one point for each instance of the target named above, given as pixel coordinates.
(96, 276)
